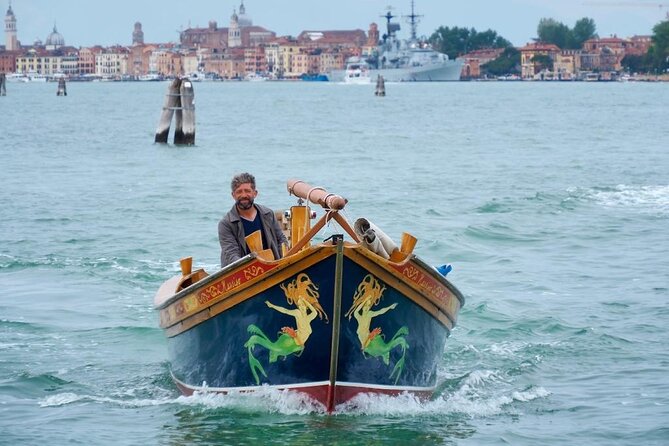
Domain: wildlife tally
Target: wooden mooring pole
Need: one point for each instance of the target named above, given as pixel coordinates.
(172, 102)
(62, 90)
(3, 80)
(184, 131)
(380, 86)
(180, 104)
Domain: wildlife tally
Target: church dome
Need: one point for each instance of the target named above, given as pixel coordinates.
(244, 19)
(55, 39)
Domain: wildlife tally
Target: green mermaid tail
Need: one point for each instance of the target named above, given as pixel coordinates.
(378, 347)
(285, 345)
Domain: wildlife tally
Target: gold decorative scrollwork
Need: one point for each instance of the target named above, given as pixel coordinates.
(253, 271)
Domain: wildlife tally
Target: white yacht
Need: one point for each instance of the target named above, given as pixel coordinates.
(357, 72)
(30, 76)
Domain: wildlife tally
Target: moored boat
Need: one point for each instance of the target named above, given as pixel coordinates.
(357, 72)
(332, 319)
(150, 77)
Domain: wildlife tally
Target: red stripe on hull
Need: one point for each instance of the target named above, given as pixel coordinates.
(329, 396)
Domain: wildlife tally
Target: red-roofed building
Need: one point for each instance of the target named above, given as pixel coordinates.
(604, 54)
(638, 45)
(474, 59)
(529, 51)
(332, 39)
(8, 61)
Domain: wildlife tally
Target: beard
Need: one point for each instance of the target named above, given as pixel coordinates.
(245, 203)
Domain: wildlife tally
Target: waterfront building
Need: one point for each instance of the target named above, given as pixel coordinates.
(112, 62)
(341, 39)
(567, 64)
(165, 61)
(255, 60)
(306, 62)
(8, 61)
(638, 45)
(605, 54)
(373, 40)
(228, 65)
(212, 37)
(31, 61)
(332, 60)
(139, 59)
(69, 62)
(11, 40)
(190, 62)
(43, 62)
(241, 34)
(528, 57)
(287, 50)
(272, 56)
(87, 59)
(475, 59)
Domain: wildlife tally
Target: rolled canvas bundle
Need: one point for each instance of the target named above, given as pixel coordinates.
(374, 238)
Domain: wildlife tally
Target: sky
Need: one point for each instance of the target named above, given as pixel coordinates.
(110, 22)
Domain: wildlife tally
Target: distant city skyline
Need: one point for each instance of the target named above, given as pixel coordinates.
(84, 23)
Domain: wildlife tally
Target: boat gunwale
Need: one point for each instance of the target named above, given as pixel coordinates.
(411, 290)
(279, 268)
(205, 281)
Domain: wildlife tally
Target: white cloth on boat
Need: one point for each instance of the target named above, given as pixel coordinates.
(374, 238)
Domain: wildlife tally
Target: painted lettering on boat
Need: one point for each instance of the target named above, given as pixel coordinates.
(194, 302)
(231, 282)
(430, 285)
(218, 288)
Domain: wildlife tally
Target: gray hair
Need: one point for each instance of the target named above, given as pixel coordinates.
(242, 178)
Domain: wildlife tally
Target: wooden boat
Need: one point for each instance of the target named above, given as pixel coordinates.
(330, 319)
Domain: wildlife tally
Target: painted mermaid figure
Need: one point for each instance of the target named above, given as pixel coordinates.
(372, 342)
(302, 293)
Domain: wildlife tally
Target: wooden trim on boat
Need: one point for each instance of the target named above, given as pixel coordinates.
(444, 308)
(336, 323)
(286, 269)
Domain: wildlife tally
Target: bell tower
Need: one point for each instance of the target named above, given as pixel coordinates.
(11, 42)
(138, 35)
(234, 33)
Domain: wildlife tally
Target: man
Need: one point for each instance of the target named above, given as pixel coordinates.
(243, 219)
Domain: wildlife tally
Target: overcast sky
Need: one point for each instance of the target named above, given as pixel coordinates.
(91, 22)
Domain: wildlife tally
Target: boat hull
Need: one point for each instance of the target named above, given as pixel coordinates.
(251, 325)
(448, 71)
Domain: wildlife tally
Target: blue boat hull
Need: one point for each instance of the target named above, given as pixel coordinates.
(277, 329)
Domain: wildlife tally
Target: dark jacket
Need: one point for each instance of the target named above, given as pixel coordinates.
(231, 234)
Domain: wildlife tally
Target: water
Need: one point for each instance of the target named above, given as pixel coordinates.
(551, 200)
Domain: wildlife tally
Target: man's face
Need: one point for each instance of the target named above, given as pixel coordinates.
(244, 196)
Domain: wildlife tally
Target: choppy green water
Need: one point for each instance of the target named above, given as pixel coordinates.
(550, 200)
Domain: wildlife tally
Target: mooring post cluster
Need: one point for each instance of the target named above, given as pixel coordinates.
(180, 104)
(3, 80)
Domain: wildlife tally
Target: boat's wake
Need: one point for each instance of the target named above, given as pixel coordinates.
(469, 398)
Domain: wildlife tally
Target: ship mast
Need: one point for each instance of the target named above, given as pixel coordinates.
(413, 21)
(389, 26)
